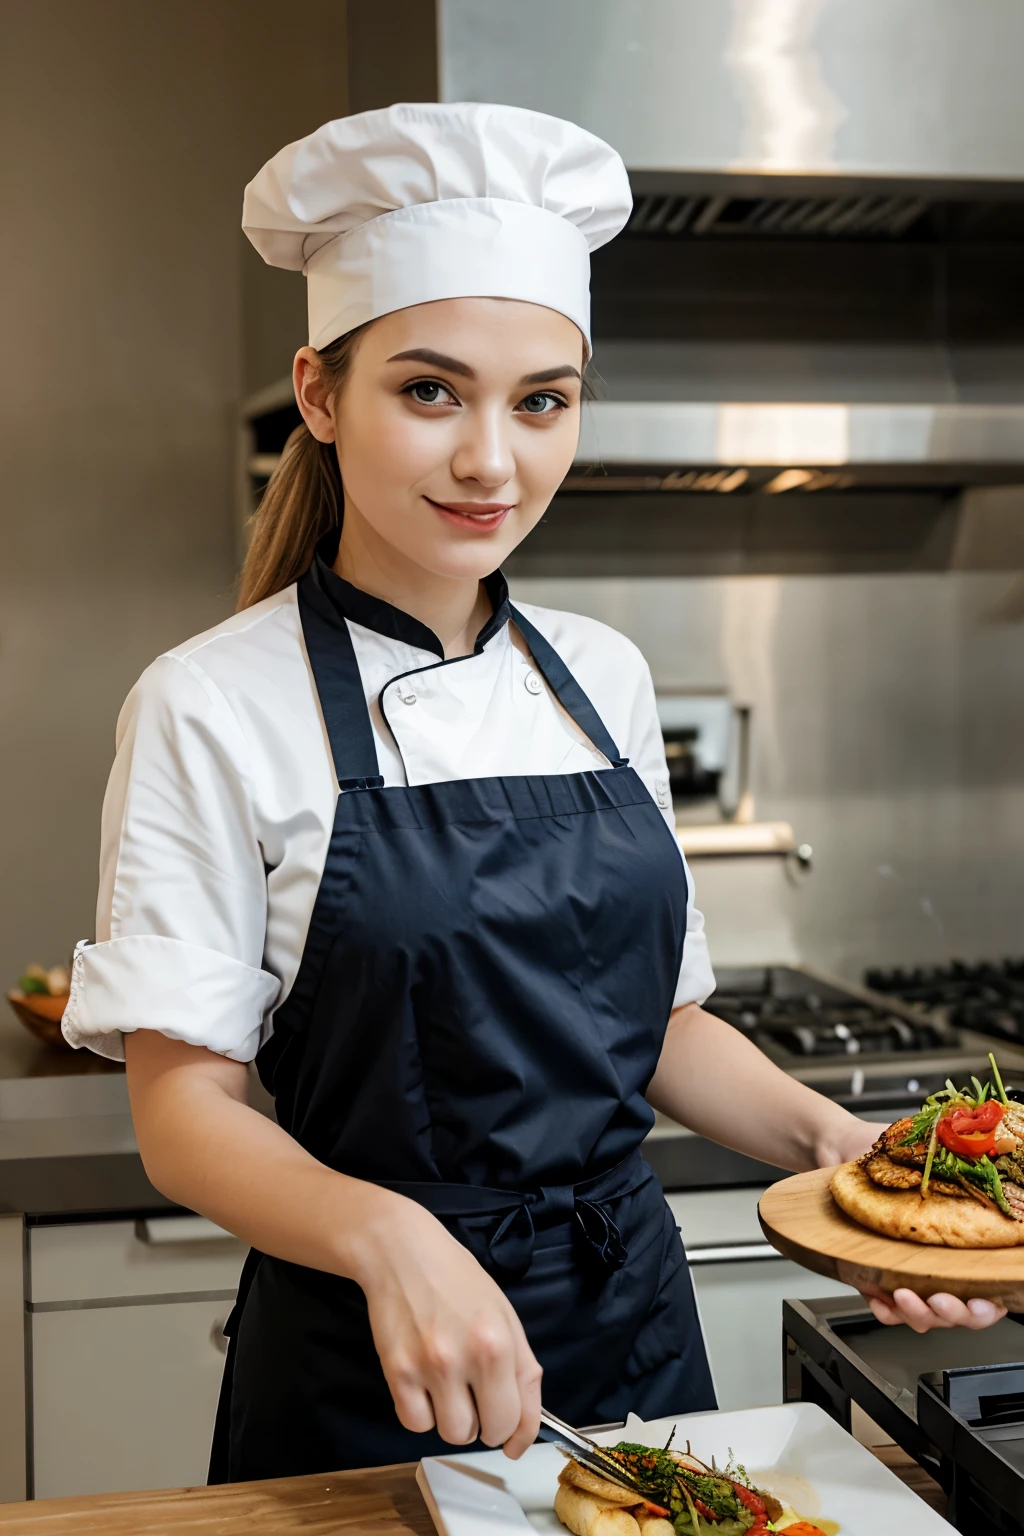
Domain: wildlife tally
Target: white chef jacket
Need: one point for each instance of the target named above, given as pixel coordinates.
(219, 809)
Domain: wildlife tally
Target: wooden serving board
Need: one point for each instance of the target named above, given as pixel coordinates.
(800, 1218)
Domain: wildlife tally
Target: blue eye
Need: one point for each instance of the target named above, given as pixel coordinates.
(541, 405)
(429, 392)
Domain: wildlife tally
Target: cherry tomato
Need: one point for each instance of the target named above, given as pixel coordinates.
(756, 1506)
(970, 1131)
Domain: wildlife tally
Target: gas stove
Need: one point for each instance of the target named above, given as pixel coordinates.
(877, 1055)
(791, 1014)
(986, 996)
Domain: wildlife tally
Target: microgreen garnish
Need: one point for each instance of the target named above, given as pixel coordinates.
(999, 1081)
(929, 1162)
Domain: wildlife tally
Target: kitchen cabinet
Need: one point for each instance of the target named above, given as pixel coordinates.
(125, 1345)
(123, 1397)
(125, 1351)
(740, 1283)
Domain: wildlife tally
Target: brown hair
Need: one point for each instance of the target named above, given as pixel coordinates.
(303, 499)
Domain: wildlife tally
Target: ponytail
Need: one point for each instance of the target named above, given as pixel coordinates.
(303, 499)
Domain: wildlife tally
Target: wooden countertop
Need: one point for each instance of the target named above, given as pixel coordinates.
(381, 1502)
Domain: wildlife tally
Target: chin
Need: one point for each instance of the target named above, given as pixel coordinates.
(468, 556)
(473, 561)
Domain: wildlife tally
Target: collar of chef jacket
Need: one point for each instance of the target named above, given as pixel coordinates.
(384, 619)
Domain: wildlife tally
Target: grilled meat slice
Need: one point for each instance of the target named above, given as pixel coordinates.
(888, 1145)
(913, 1156)
(957, 1191)
(880, 1169)
(888, 1148)
(880, 1149)
(910, 1157)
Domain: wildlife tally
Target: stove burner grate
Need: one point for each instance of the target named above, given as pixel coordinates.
(809, 1026)
(986, 996)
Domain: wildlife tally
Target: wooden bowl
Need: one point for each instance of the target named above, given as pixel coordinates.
(800, 1218)
(41, 1015)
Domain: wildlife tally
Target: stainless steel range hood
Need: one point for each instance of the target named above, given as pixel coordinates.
(780, 448)
(913, 89)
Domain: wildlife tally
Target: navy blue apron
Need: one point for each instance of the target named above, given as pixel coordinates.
(480, 1006)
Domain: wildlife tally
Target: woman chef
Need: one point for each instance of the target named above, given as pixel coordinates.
(411, 849)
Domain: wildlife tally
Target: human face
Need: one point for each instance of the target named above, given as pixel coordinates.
(455, 425)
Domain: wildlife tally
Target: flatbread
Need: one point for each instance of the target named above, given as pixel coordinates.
(940, 1221)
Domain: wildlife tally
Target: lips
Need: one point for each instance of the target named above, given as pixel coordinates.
(483, 516)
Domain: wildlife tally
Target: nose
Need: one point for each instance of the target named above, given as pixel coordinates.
(484, 450)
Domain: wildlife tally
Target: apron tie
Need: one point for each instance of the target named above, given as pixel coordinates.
(520, 1215)
(510, 1248)
(511, 1243)
(597, 1227)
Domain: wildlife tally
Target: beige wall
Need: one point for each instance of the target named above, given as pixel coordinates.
(129, 131)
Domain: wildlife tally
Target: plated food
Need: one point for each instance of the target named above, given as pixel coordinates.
(685, 1497)
(951, 1176)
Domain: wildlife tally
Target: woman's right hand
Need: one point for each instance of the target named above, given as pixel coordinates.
(453, 1350)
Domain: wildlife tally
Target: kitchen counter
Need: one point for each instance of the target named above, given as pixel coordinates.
(67, 1147)
(384, 1501)
(68, 1151)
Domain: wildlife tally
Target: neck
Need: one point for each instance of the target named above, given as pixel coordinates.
(455, 607)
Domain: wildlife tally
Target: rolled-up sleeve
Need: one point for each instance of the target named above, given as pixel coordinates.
(646, 752)
(181, 915)
(696, 978)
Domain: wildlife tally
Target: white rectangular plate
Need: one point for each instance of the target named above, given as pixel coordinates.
(795, 1450)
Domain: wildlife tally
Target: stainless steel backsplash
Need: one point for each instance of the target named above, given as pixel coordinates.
(888, 729)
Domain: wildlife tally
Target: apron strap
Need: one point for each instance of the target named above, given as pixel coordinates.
(340, 688)
(568, 691)
(343, 703)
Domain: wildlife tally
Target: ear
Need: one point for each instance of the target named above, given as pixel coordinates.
(312, 395)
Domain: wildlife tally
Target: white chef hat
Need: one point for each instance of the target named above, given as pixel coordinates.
(418, 202)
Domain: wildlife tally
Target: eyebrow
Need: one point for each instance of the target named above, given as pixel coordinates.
(437, 359)
(549, 375)
(453, 365)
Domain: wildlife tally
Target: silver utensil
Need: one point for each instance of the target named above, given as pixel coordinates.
(579, 1447)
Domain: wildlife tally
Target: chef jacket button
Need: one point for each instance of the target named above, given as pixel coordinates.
(533, 683)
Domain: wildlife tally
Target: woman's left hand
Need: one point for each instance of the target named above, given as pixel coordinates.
(939, 1311)
(905, 1306)
(789, 1125)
